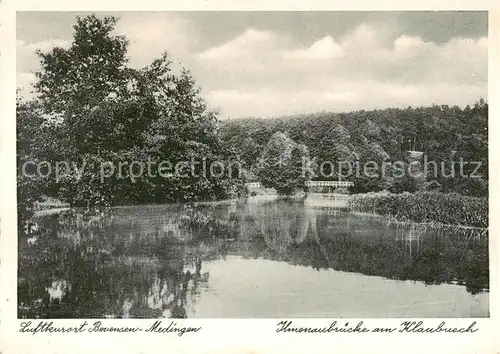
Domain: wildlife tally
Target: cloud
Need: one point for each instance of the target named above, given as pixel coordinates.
(47, 45)
(261, 73)
(24, 82)
(267, 102)
(152, 33)
(27, 59)
(249, 44)
(364, 39)
(347, 97)
(44, 46)
(267, 73)
(409, 44)
(325, 48)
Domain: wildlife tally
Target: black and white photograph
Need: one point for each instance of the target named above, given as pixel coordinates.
(252, 164)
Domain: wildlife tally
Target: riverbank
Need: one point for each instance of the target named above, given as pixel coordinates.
(424, 207)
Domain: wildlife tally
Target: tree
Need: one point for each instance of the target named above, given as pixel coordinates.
(87, 72)
(83, 88)
(36, 147)
(250, 151)
(442, 133)
(111, 113)
(29, 185)
(281, 166)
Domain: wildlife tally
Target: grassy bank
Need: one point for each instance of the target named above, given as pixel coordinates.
(452, 209)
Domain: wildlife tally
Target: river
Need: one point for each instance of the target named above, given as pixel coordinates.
(259, 257)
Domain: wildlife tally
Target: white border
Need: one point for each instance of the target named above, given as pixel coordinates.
(235, 336)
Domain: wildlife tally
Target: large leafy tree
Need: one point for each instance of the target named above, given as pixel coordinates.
(282, 165)
(83, 75)
(111, 113)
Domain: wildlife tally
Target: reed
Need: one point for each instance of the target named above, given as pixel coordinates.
(451, 209)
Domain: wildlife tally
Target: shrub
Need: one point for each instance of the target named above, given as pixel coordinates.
(450, 208)
(431, 186)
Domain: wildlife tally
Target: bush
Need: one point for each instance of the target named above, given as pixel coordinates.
(431, 186)
(450, 208)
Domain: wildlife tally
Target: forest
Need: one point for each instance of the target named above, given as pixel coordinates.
(444, 134)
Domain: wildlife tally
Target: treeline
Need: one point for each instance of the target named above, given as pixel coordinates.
(91, 109)
(444, 134)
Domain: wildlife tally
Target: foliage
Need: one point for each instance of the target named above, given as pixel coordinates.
(442, 133)
(281, 165)
(431, 186)
(34, 144)
(106, 113)
(452, 208)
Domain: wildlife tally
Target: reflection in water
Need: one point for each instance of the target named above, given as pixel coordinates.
(159, 261)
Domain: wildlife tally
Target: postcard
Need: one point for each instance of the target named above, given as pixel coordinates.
(209, 177)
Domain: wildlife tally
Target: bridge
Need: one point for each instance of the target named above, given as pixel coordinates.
(334, 184)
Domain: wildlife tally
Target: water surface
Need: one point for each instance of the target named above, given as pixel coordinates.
(256, 258)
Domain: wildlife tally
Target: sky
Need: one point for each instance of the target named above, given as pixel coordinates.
(282, 63)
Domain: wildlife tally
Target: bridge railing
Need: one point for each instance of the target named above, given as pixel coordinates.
(336, 184)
